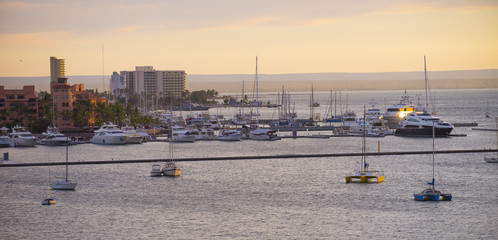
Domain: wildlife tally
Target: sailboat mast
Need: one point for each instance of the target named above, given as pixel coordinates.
(425, 77)
(364, 158)
(433, 153)
(496, 118)
(257, 91)
(67, 146)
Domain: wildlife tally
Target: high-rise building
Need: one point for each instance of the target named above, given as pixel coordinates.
(65, 96)
(146, 80)
(57, 69)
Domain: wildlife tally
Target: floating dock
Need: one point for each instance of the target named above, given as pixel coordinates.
(201, 159)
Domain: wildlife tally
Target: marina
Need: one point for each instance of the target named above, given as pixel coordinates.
(289, 188)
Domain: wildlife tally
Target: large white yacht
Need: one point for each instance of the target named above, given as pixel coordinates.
(54, 138)
(22, 138)
(109, 134)
(396, 112)
(420, 123)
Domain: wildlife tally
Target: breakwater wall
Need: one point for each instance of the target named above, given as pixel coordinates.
(246, 157)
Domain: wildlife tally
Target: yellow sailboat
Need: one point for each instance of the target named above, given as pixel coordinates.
(365, 175)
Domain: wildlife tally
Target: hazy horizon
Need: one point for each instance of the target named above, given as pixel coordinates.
(461, 79)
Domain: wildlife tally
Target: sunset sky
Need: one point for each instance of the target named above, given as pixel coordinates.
(224, 36)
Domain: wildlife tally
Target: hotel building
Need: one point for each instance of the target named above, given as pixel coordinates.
(151, 82)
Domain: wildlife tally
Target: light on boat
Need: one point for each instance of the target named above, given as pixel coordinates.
(402, 114)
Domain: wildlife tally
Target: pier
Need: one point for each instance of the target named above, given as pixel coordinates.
(200, 159)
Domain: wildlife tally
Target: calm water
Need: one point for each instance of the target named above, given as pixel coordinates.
(265, 199)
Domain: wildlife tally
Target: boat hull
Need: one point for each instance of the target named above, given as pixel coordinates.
(56, 142)
(491, 160)
(109, 140)
(63, 185)
(135, 139)
(48, 201)
(365, 177)
(230, 138)
(184, 138)
(176, 172)
(426, 197)
(422, 132)
(27, 142)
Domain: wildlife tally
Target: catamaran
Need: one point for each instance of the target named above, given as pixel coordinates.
(365, 175)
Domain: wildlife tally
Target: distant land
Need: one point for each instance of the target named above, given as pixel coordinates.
(229, 83)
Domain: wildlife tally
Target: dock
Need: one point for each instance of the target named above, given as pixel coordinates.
(485, 129)
(465, 124)
(233, 158)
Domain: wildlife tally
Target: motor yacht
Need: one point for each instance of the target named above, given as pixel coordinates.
(109, 134)
(156, 171)
(54, 138)
(421, 124)
(180, 134)
(133, 136)
(349, 118)
(204, 133)
(230, 135)
(396, 112)
(22, 138)
(263, 134)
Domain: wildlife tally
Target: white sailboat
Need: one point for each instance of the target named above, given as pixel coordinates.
(170, 169)
(494, 159)
(64, 184)
(365, 175)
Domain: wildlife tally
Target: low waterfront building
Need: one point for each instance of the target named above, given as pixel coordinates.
(64, 97)
(18, 106)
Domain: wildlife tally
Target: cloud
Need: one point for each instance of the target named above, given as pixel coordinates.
(41, 39)
(12, 5)
(127, 16)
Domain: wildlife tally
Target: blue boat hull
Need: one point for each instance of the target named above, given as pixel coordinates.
(426, 197)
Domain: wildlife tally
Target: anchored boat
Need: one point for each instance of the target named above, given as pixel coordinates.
(431, 194)
(365, 175)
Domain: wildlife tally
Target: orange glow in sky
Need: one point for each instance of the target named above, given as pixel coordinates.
(223, 36)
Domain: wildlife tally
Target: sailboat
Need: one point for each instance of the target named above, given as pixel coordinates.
(494, 159)
(170, 169)
(431, 194)
(64, 184)
(365, 175)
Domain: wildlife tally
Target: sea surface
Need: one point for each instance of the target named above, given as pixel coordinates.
(304, 198)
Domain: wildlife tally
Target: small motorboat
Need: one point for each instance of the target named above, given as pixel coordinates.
(156, 171)
(48, 201)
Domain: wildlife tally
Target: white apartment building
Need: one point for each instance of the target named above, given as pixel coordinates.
(148, 81)
(117, 84)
